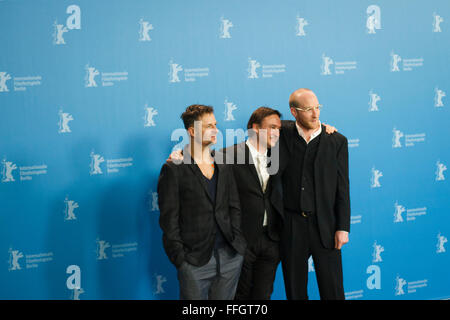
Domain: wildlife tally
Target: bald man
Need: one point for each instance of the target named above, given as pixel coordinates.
(314, 174)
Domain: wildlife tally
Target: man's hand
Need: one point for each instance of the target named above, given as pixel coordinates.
(176, 155)
(340, 238)
(329, 129)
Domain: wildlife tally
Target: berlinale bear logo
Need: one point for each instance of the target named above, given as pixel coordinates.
(72, 22)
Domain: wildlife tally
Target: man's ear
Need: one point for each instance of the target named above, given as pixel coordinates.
(255, 127)
(190, 131)
(293, 112)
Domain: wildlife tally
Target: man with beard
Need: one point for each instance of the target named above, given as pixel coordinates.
(314, 173)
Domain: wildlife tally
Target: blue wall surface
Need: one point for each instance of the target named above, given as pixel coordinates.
(90, 98)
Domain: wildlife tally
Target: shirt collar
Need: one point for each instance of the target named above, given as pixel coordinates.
(253, 150)
(313, 135)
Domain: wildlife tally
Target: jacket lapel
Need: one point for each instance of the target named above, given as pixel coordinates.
(221, 183)
(250, 164)
(199, 175)
(322, 144)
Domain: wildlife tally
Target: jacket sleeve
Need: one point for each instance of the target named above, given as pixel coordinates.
(169, 207)
(235, 213)
(342, 204)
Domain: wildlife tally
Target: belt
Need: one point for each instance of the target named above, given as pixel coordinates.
(307, 214)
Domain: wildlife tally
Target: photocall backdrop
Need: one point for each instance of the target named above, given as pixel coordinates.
(91, 94)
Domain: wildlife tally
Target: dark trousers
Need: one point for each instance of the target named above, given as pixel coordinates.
(259, 269)
(301, 239)
(216, 280)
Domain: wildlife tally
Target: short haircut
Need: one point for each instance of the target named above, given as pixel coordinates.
(259, 114)
(193, 113)
(292, 102)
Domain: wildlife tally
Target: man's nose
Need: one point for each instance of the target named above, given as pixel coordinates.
(315, 112)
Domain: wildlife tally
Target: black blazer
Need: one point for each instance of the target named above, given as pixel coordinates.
(187, 212)
(252, 198)
(331, 178)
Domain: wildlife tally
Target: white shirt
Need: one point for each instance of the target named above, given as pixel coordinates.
(260, 162)
(315, 134)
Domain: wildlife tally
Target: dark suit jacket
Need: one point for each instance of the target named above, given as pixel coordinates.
(252, 198)
(187, 213)
(330, 177)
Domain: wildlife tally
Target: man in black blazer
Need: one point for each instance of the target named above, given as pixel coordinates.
(315, 181)
(261, 203)
(200, 214)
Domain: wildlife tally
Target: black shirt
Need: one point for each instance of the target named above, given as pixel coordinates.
(212, 190)
(299, 176)
(212, 184)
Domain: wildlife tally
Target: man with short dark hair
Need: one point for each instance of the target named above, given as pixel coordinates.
(200, 214)
(261, 203)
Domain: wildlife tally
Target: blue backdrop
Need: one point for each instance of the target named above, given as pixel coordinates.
(90, 98)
